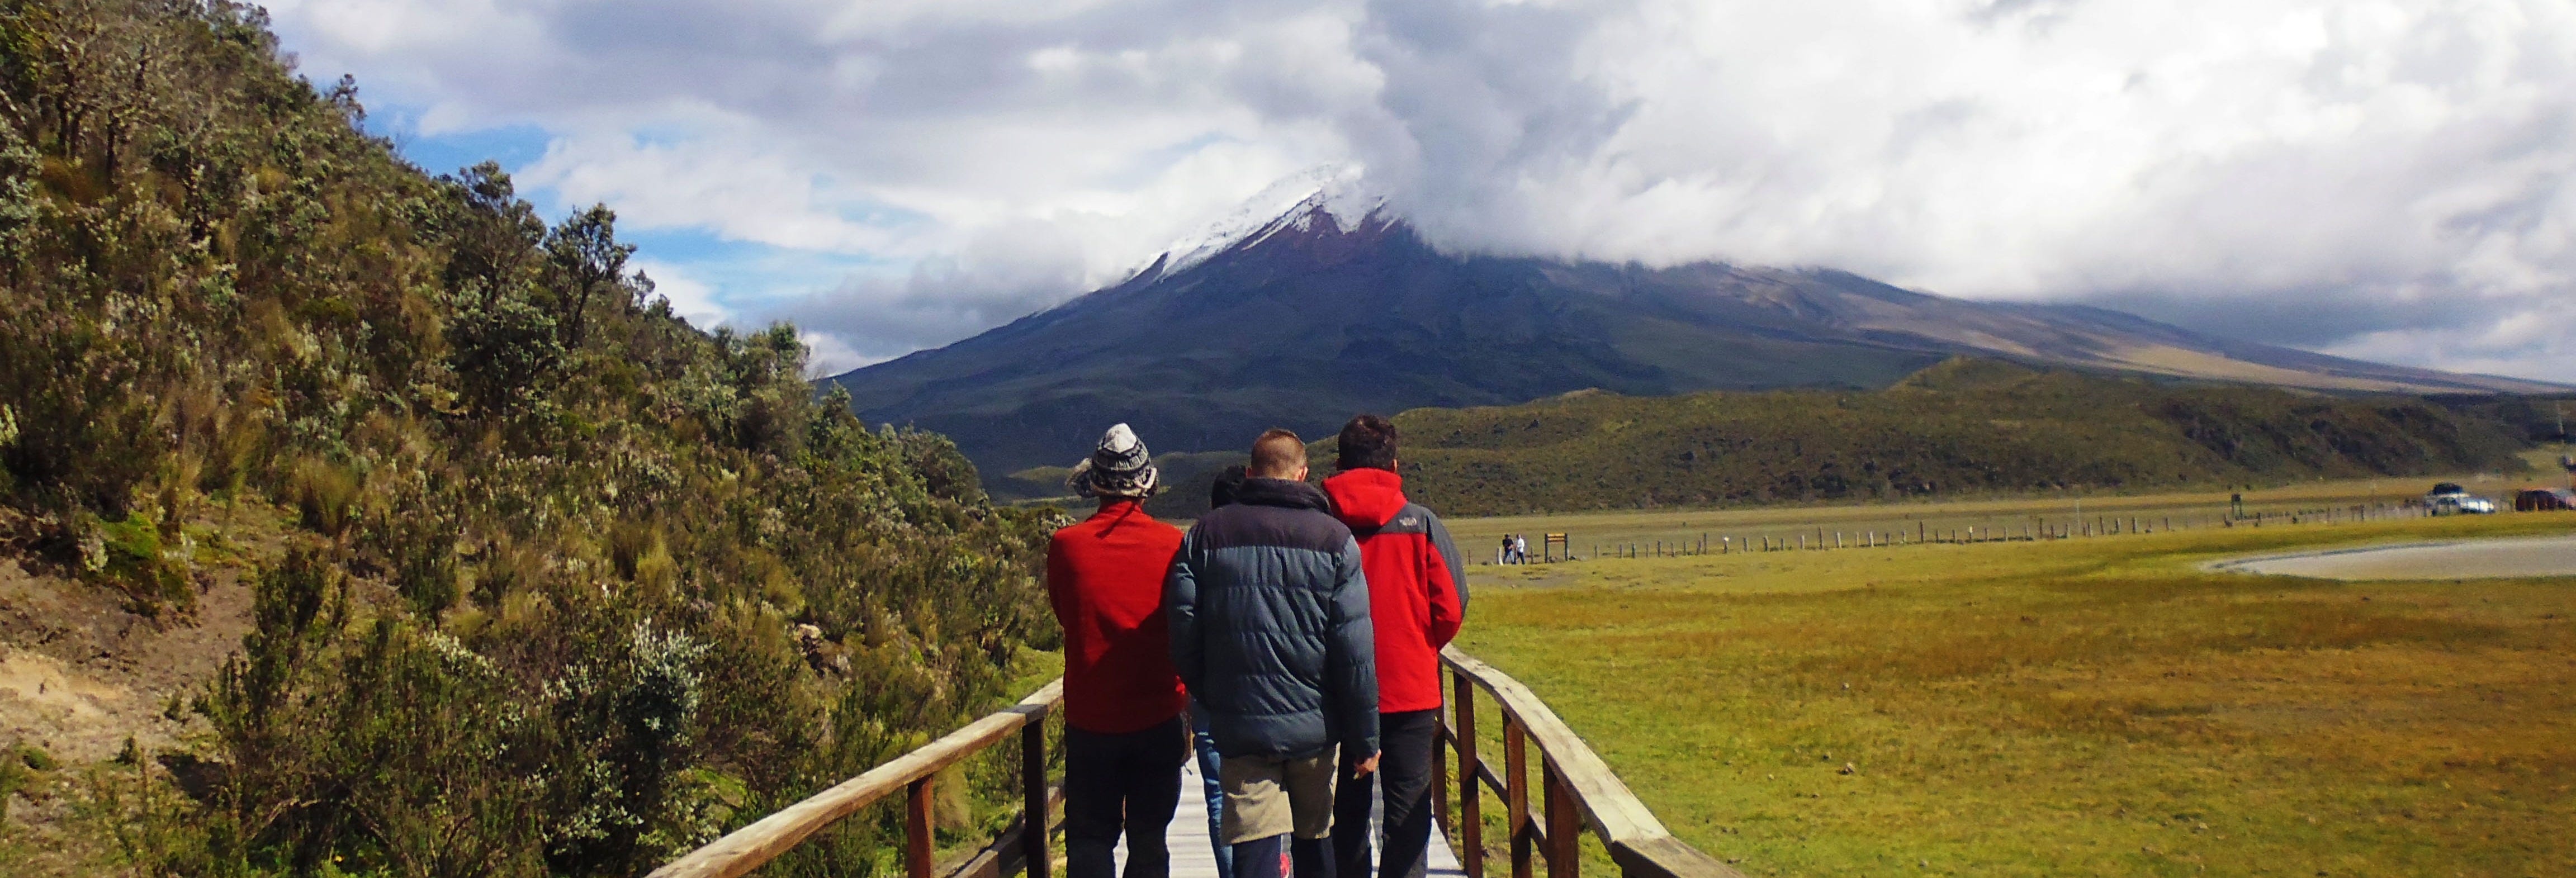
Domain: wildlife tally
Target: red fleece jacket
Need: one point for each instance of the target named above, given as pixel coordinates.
(1413, 589)
(1105, 578)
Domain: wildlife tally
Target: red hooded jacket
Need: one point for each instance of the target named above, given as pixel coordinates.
(1417, 584)
(1105, 578)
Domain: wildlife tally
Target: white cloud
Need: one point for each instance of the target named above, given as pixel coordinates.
(693, 300)
(2394, 180)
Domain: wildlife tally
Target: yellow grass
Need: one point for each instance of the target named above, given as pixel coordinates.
(2093, 706)
(1608, 533)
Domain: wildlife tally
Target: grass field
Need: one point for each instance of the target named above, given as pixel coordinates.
(1608, 533)
(2067, 707)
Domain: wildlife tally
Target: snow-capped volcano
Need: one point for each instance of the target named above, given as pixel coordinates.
(1313, 301)
(1325, 194)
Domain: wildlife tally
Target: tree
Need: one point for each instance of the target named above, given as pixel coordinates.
(586, 258)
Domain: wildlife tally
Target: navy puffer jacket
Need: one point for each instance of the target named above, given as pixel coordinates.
(1269, 616)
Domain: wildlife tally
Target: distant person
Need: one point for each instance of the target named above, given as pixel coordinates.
(1123, 740)
(1211, 764)
(1270, 628)
(1417, 597)
(1505, 555)
(1520, 548)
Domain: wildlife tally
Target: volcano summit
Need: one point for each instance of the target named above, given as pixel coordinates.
(1337, 306)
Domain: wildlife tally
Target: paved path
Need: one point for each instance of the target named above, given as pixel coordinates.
(1192, 857)
(2460, 559)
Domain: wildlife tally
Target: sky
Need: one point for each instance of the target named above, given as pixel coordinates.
(2390, 181)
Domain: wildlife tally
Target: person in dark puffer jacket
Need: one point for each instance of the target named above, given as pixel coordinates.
(1123, 738)
(1417, 597)
(1269, 615)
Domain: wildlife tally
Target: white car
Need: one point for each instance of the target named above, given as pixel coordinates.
(2463, 504)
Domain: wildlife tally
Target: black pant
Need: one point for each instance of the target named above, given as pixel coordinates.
(1404, 769)
(1128, 781)
(1259, 858)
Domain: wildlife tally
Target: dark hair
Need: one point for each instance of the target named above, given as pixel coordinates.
(1368, 442)
(1277, 455)
(1221, 491)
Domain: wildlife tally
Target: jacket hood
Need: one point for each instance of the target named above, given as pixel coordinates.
(1366, 499)
(1282, 492)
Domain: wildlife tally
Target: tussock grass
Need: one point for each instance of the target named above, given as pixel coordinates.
(2071, 707)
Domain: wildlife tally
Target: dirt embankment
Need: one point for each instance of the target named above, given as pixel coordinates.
(80, 675)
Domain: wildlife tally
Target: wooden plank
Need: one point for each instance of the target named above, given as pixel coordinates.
(1564, 839)
(1667, 857)
(920, 824)
(1471, 804)
(1516, 795)
(1035, 798)
(752, 846)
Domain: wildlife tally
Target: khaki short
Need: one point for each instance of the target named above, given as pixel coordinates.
(1267, 796)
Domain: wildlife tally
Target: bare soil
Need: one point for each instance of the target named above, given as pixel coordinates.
(80, 675)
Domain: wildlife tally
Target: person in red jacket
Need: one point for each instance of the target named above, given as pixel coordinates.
(1124, 741)
(1417, 598)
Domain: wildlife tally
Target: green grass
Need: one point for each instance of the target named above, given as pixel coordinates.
(1609, 533)
(2072, 707)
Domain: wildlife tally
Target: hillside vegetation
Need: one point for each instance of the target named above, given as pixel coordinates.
(550, 547)
(1961, 428)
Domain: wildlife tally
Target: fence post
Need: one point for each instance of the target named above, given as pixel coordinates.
(1033, 797)
(1516, 794)
(1471, 810)
(917, 817)
(1440, 781)
(1564, 834)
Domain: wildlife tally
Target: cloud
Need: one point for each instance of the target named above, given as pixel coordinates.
(2393, 180)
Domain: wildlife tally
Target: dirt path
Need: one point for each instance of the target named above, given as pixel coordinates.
(2460, 559)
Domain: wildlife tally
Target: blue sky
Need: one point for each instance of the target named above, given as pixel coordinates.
(2388, 180)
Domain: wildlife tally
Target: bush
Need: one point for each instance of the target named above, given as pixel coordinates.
(597, 525)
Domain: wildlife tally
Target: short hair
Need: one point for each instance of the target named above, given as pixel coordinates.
(1276, 455)
(1228, 481)
(1367, 442)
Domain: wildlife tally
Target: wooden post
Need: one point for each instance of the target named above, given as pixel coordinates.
(1440, 785)
(1033, 797)
(1471, 811)
(917, 824)
(1515, 795)
(1564, 834)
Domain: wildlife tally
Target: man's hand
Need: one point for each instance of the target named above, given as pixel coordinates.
(1365, 766)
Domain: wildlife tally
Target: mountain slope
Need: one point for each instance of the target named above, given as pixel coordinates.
(1320, 313)
(519, 573)
(1963, 427)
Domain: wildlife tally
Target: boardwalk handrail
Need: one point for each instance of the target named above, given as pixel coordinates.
(1576, 780)
(755, 845)
(1579, 792)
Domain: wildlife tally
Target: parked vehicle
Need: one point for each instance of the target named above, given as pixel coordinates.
(2544, 500)
(2462, 504)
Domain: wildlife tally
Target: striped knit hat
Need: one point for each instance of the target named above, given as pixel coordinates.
(1119, 467)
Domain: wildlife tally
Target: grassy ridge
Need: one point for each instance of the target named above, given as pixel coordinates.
(2080, 707)
(1964, 428)
(570, 584)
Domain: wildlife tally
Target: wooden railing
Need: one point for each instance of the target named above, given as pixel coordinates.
(753, 846)
(1577, 791)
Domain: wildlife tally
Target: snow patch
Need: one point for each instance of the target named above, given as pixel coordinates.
(1331, 193)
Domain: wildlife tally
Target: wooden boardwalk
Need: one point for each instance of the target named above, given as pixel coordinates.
(1576, 794)
(1192, 857)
